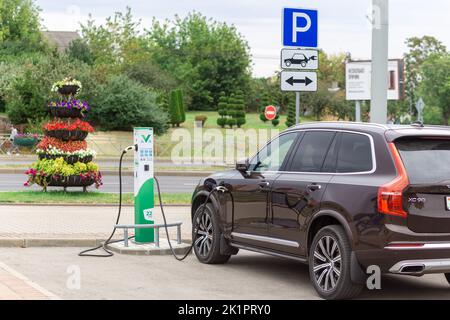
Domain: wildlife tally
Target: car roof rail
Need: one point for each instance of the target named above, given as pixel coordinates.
(418, 124)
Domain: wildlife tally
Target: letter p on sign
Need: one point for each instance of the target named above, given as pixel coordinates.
(300, 28)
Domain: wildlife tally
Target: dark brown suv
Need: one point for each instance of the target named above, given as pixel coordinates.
(338, 196)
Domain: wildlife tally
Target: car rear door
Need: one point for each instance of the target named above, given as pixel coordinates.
(427, 199)
(297, 193)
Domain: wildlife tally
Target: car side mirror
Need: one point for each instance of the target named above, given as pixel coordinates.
(242, 165)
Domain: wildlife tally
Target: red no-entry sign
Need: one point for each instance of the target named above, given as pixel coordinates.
(270, 113)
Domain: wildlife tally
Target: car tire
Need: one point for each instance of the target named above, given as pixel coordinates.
(447, 276)
(331, 275)
(288, 64)
(206, 234)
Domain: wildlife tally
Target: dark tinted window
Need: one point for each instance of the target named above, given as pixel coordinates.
(310, 155)
(426, 160)
(355, 154)
(330, 160)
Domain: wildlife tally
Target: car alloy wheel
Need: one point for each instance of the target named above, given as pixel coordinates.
(204, 235)
(327, 263)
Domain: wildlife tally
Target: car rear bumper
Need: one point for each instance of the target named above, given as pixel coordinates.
(421, 267)
(429, 257)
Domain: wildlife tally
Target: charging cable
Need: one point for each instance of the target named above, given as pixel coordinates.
(195, 224)
(108, 241)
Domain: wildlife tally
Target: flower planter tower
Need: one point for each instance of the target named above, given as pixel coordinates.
(64, 159)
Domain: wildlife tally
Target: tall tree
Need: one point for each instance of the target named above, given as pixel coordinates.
(20, 25)
(206, 56)
(435, 86)
(419, 49)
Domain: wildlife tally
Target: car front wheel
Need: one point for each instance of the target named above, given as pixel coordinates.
(330, 264)
(206, 234)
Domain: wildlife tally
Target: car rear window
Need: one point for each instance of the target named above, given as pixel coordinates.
(355, 154)
(427, 160)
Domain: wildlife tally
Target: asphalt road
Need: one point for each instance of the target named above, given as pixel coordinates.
(169, 184)
(245, 276)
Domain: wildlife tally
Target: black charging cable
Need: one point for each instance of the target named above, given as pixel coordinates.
(108, 241)
(195, 224)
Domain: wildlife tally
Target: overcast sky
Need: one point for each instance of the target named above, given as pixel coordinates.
(343, 26)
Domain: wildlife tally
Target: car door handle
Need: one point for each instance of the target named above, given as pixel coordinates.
(264, 184)
(314, 187)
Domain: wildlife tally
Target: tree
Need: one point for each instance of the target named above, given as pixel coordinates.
(435, 85)
(265, 101)
(419, 51)
(79, 50)
(116, 40)
(20, 26)
(222, 108)
(209, 57)
(239, 106)
(176, 108)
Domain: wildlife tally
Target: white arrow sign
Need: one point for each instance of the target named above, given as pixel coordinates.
(300, 59)
(300, 81)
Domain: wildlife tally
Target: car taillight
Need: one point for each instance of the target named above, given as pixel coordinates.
(390, 195)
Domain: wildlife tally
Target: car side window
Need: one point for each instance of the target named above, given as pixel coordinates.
(272, 156)
(310, 154)
(355, 154)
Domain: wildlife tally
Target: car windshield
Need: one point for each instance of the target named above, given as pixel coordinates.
(426, 160)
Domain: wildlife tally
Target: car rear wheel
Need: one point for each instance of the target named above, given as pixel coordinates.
(330, 265)
(206, 235)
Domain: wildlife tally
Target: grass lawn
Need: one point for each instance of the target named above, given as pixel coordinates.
(61, 197)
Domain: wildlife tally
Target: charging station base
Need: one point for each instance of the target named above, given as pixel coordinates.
(149, 249)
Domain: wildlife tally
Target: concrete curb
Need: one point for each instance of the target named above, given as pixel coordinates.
(57, 243)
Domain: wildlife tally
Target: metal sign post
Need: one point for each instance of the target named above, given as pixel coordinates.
(144, 183)
(358, 111)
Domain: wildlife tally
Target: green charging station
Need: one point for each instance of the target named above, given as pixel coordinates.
(144, 184)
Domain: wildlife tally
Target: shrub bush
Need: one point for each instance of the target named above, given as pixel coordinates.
(122, 103)
(201, 118)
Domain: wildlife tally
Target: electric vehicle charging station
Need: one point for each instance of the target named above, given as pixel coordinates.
(143, 184)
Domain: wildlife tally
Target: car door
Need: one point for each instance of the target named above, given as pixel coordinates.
(296, 194)
(251, 191)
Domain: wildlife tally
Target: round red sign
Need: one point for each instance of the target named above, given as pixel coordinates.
(270, 113)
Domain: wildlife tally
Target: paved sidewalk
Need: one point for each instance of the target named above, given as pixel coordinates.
(27, 226)
(15, 286)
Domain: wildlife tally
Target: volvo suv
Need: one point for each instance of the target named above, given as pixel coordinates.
(340, 197)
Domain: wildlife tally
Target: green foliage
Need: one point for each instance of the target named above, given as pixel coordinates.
(265, 101)
(122, 104)
(433, 115)
(435, 86)
(176, 108)
(79, 50)
(275, 122)
(209, 57)
(239, 108)
(222, 122)
(419, 51)
(19, 26)
(341, 108)
(290, 120)
(28, 92)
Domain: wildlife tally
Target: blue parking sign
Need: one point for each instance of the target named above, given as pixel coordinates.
(300, 28)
